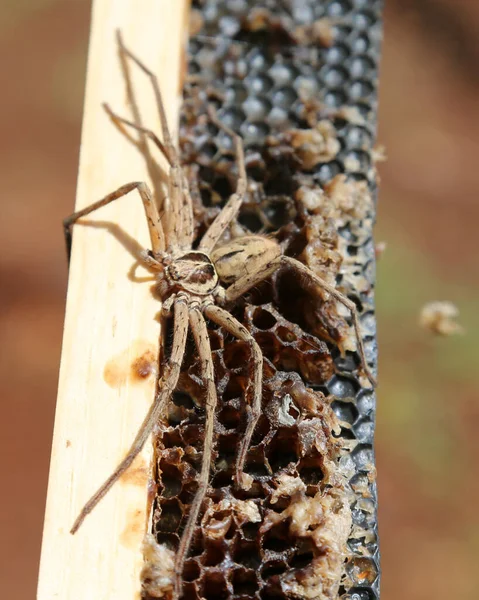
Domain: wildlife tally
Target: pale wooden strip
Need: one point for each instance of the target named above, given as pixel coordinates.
(109, 321)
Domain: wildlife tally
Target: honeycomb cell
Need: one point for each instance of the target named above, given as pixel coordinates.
(362, 570)
(363, 20)
(358, 137)
(345, 411)
(364, 431)
(192, 570)
(327, 171)
(341, 387)
(284, 97)
(366, 402)
(337, 54)
(360, 90)
(263, 319)
(361, 66)
(232, 117)
(283, 449)
(273, 568)
(338, 8)
(363, 457)
(170, 479)
(246, 553)
(215, 586)
(282, 74)
(360, 44)
(229, 26)
(259, 84)
(245, 582)
(235, 93)
(214, 554)
(362, 594)
(256, 108)
(278, 117)
(335, 98)
(333, 77)
(171, 514)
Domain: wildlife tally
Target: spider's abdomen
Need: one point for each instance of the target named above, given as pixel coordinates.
(244, 256)
(193, 272)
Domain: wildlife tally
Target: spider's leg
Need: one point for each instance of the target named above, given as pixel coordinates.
(223, 318)
(349, 304)
(120, 121)
(178, 224)
(202, 341)
(231, 208)
(178, 207)
(154, 225)
(164, 389)
(245, 283)
(185, 237)
(170, 148)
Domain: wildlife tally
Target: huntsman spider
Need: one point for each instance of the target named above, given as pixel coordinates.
(196, 285)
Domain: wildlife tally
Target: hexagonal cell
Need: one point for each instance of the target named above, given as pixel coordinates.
(363, 456)
(214, 553)
(343, 387)
(283, 449)
(171, 515)
(364, 431)
(214, 585)
(171, 479)
(362, 594)
(345, 411)
(273, 568)
(192, 570)
(246, 553)
(245, 582)
(362, 570)
(263, 319)
(310, 470)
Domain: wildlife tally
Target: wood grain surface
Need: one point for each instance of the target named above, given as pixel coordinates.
(110, 319)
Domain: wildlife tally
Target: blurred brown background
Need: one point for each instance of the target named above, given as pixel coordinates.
(427, 445)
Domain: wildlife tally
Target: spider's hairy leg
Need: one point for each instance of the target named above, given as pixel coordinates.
(164, 389)
(231, 208)
(202, 341)
(349, 304)
(222, 317)
(188, 223)
(159, 99)
(246, 282)
(179, 224)
(154, 225)
(120, 121)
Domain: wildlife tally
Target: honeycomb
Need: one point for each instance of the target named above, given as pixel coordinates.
(297, 80)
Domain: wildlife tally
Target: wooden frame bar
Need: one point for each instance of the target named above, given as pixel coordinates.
(110, 320)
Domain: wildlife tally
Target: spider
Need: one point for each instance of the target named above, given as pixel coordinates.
(196, 285)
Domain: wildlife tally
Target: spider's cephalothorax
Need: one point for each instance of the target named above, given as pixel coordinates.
(192, 292)
(193, 272)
